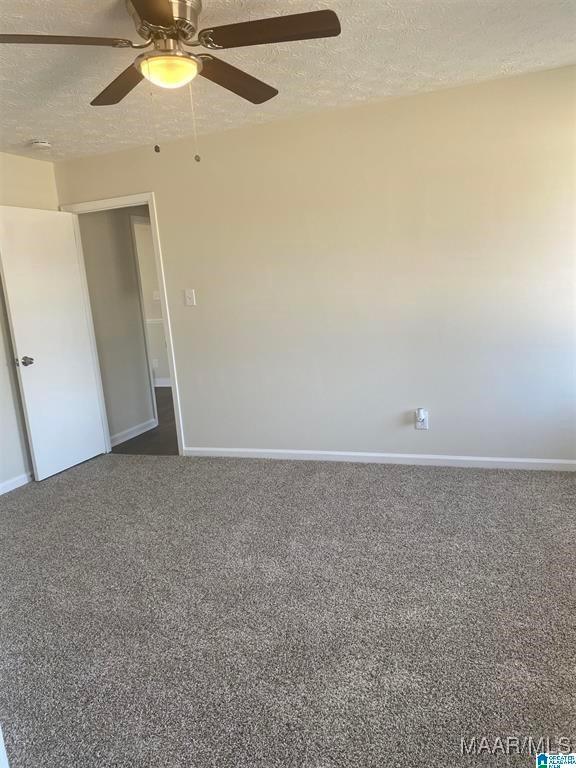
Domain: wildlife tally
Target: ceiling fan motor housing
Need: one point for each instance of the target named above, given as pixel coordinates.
(186, 14)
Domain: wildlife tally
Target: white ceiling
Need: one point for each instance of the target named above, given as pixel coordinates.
(387, 48)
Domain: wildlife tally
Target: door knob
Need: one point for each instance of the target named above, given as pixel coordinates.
(26, 361)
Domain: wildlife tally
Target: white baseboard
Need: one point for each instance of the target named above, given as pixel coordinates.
(128, 434)
(162, 383)
(15, 482)
(438, 460)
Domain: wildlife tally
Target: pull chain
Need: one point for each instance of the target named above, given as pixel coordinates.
(154, 120)
(194, 127)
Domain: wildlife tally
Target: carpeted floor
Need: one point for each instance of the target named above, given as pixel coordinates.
(169, 612)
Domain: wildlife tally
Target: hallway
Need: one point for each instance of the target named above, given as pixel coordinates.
(160, 441)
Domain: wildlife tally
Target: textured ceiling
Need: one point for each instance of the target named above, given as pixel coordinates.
(387, 48)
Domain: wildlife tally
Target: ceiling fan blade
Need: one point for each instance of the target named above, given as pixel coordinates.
(235, 80)
(156, 12)
(119, 88)
(280, 29)
(113, 42)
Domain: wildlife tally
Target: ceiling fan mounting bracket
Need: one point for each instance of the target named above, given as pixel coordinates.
(205, 39)
(185, 12)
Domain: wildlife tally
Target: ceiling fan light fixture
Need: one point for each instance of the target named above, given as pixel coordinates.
(169, 70)
(167, 25)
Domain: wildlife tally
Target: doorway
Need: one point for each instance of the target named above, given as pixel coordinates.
(125, 278)
(161, 440)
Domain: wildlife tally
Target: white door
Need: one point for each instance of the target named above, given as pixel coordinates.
(52, 337)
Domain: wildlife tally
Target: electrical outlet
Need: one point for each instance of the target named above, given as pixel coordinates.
(422, 419)
(155, 364)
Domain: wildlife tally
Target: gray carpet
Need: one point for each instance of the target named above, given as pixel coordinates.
(236, 613)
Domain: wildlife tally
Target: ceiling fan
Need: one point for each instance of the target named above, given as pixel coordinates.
(169, 25)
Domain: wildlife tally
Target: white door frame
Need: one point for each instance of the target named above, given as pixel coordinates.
(130, 201)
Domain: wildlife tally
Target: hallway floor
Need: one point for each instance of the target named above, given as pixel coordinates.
(160, 441)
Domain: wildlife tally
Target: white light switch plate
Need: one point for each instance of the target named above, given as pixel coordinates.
(190, 297)
(155, 295)
(422, 419)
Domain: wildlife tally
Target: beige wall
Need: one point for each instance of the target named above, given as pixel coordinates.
(118, 323)
(353, 265)
(28, 184)
(14, 460)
